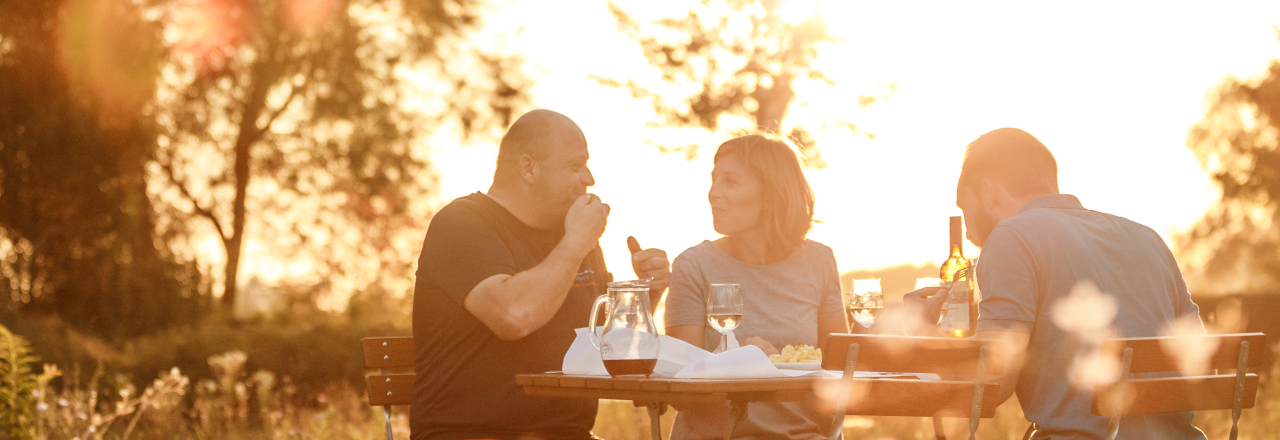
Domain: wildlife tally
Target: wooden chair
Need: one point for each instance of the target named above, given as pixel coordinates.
(1184, 393)
(967, 367)
(387, 389)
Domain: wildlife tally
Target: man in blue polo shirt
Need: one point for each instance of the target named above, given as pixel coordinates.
(1037, 246)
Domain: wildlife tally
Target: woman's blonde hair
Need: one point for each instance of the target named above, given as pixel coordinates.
(788, 198)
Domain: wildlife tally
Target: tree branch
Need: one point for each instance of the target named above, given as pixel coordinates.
(202, 211)
(293, 93)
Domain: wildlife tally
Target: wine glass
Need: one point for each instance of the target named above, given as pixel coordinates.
(724, 310)
(866, 307)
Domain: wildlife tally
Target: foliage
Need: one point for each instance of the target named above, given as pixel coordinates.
(311, 348)
(1237, 243)
(304, 120)
(17, 383)
(735, 58)
(77, 232)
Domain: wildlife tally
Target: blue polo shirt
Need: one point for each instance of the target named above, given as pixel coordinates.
(1032, 261)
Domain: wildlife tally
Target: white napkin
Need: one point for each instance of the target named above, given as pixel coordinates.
(673, 354)
(739, 363)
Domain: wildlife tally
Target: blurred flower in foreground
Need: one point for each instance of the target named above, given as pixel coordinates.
(1191, 353)
(1086, 311)
(1087, 315)
(830, 392)
(1094, 368)
(907, 318)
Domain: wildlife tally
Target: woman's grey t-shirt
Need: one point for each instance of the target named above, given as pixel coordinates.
(781, 303)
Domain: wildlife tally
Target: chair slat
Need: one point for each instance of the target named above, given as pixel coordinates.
(918, 398)
(1172, 394)
(949, 357)
(1150, 355)
(390, 389)
(388, 352)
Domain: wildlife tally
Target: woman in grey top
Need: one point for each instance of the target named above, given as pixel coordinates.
(762, 204)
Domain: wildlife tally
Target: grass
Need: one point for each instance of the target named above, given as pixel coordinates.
(235, 398)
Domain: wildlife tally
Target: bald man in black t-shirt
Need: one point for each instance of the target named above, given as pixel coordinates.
(503, 280)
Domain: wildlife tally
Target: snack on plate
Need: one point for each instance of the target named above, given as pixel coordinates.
(797, 354)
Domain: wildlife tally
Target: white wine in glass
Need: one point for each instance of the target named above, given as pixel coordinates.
(724, 310)
(866, 308)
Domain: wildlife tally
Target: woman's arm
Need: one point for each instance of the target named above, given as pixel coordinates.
(828, 326)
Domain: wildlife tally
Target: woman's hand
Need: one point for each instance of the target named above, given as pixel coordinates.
(763, 344)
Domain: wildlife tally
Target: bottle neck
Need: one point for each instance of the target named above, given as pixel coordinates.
(957, 250)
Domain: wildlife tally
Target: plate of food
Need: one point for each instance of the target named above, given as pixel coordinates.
(798, 357)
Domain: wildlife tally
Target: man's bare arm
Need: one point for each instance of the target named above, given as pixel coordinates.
(1014, 353)
(513, 306)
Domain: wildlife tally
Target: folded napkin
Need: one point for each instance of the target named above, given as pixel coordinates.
(673, 354)
(739, 363)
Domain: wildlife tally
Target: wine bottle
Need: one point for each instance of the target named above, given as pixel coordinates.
(960, 311)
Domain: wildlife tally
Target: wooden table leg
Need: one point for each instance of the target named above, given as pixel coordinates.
(737, 410)
(656, 410)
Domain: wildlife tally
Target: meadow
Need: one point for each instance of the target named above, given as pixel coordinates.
(232, 396)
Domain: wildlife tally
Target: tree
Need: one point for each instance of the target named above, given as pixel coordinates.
(77, 231)
(1236, 246)
(735, 58)
(302, 116)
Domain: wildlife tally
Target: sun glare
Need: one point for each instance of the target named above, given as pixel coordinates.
(204, 34)
(797, 11)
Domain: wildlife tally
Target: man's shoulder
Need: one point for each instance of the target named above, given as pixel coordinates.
(465, 210)
(1056, 221)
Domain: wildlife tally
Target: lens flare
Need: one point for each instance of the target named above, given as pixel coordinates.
(310, 15)
(205, 34)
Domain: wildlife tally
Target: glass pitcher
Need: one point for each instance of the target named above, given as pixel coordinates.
(629, 341)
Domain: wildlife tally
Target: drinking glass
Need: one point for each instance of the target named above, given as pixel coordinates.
(866, 307)
(724, 310)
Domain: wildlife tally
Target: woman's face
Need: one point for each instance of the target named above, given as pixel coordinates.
(736, 197)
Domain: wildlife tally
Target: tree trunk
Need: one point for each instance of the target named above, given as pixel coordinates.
(262, 76)
(773, 103)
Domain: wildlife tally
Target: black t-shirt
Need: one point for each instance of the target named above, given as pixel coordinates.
(466, 386)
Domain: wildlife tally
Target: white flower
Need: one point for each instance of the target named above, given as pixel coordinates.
(41, 407)
(63, 402)
(1086, 311)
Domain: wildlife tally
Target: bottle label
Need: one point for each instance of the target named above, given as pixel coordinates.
(955, 311)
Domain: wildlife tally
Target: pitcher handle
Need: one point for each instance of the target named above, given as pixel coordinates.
(591, 325)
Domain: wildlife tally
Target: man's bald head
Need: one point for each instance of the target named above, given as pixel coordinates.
(534, 133)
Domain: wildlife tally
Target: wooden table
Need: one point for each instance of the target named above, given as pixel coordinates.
(656, 392)
(893, 396)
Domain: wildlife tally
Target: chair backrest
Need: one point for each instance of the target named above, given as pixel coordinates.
(1199, 392)
(389, 353)
(968, 367)
(947, 357)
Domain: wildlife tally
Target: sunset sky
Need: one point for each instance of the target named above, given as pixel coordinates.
(1111, 89)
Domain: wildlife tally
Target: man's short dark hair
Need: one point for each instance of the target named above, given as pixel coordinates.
(1012, 158)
